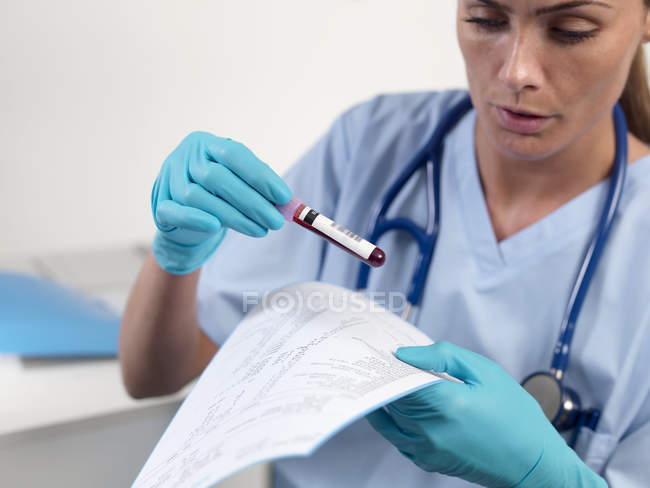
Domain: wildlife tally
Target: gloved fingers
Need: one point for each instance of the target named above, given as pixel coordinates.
(160, 192)
(170, 214)
(199, 197)
(430, 402)
(160, 189)
(218, 179)
(383, 423)
(233, 218)
(241, 161)
(444, 357)
(190, 194)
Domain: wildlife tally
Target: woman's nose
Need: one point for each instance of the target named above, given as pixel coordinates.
(521, 64)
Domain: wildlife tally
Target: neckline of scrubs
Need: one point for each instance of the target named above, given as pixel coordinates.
(576, 219)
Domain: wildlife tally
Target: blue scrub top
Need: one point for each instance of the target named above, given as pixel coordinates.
(504, 300)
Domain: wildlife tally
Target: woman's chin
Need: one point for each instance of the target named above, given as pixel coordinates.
(527, 148)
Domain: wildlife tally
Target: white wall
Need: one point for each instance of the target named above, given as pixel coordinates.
(94, 95)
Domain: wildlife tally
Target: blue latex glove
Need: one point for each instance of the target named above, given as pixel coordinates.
(487, 430)
(206, 185)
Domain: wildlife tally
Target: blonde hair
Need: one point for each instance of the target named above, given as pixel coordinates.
(635, 99)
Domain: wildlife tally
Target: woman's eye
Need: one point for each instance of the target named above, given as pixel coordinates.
(561, 35)
(487, 24)
(572, 37)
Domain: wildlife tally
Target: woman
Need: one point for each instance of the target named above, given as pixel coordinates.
(520, 199)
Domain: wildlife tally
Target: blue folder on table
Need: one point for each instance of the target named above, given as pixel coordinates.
(39, 317)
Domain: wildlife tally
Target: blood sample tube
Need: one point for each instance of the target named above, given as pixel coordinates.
(309, 218)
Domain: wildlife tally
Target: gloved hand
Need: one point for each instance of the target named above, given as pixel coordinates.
(206, 185)
(486, 430)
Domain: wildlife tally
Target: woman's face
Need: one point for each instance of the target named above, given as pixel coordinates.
(567, 61)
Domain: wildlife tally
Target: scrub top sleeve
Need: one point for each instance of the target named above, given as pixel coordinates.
(243, 268)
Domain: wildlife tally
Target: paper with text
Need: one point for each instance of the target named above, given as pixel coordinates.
(306, 362)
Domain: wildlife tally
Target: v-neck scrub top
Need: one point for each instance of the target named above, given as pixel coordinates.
(504, 300)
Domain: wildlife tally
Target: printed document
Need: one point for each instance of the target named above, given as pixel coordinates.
(306, 362)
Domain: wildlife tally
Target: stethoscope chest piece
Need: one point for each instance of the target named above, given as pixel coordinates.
(560, 404)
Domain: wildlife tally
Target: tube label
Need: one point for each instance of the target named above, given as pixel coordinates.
(337, 232)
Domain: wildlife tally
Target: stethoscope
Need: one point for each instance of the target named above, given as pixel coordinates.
(560, 404)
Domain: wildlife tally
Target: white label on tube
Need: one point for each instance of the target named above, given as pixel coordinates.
(340, 234)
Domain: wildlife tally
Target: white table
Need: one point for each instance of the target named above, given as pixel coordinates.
(69, 422)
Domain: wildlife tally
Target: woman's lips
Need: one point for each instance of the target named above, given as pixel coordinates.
(521, 124)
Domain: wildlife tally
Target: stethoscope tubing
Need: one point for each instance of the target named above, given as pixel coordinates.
(430, 154)
(562, 349)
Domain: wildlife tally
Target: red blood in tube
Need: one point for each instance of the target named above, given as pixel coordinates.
(376, 258)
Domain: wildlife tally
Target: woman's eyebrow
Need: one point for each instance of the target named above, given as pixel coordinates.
(552, 8)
